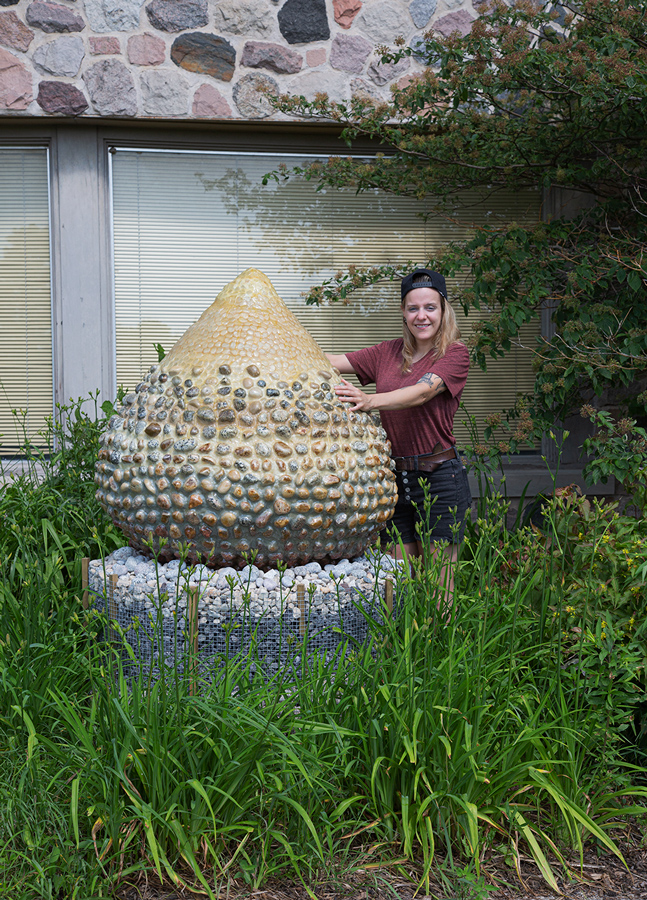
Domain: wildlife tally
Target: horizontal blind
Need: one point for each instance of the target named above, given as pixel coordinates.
(25, 296)
(186, 224)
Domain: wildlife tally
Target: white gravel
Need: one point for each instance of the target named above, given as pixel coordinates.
(150, 601)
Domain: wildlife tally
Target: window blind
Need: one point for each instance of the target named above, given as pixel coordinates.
(185, 224)
(25, 296)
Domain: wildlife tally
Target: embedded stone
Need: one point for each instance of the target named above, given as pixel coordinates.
(209, 103)
(111, 88)
(310, 83)
(104, 46)
(316, 57)
(419, 47)
(381, 73)
(113, 15)
(303, 21)
(422, 10)
(349, 52)
(15, 83)
(62, 98)
(279, 59)
(243, 17)
(52, 17)
(260, 486)
(9, 2)
(177, 15)
(13, 32)
(164, 93)
(459, 21)
(62, 56)
(146, 50)
(250, 95)
(282, 449)
(364, 91)
(345, 11)
(205, 53)
(383, 22)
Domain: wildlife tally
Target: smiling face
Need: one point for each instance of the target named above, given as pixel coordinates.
(423, 315)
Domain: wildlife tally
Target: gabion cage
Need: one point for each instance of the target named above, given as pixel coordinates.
(169, 616)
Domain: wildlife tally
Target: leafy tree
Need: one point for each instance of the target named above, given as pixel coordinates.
(533, 97)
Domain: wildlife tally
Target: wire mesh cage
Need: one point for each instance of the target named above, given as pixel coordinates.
(176, 617)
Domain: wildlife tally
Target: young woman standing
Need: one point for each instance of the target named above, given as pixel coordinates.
(419, 380)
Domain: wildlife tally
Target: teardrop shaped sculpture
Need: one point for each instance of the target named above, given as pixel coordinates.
(236, 444)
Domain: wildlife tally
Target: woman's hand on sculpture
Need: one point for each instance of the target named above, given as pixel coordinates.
(425, 389)
(348, 393)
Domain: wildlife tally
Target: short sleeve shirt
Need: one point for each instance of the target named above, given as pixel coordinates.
(416, 430)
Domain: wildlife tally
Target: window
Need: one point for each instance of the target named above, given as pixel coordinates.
(185, 224)
(25, 295)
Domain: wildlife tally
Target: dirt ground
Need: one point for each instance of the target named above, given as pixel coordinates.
(603, 878)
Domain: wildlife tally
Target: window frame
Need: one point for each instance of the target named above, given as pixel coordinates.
(41, 144)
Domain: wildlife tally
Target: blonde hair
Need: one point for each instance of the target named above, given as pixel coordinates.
(447, 334)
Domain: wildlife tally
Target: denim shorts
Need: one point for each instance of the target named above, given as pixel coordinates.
(449, 493)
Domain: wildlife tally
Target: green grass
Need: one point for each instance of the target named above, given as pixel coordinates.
(436, 746)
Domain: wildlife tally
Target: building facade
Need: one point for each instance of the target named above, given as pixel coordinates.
(134, 137)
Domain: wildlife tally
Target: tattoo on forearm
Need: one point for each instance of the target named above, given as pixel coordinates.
(433, 381)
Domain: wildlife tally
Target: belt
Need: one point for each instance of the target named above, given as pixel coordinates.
(425, 462)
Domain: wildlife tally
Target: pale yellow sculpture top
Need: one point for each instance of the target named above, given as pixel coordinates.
(248, 322)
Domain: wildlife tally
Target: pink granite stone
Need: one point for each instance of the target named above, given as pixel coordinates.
(406, 81)
(61, 98)
(146, 50)
(316, 57)
(259, 55)
(345, 11)
(52, 17)
(13, 32)
(349, 52)
(104, 46)
(209, 103)
(15, 83)
(459, 21)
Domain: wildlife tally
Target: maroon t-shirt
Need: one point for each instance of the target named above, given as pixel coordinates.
(416, 430)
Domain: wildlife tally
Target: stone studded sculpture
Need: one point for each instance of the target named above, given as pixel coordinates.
(236, 444)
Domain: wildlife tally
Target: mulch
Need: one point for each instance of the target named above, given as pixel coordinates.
(603, 877)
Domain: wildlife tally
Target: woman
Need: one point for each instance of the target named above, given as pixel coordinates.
(419, 380)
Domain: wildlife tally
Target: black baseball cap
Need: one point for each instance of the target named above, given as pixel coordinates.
(432, 280)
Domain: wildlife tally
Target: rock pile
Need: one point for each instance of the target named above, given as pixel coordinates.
(151, 602)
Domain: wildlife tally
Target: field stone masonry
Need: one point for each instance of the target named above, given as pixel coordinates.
(235, 447)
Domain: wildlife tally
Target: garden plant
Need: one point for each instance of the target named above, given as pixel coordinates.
(447, 751)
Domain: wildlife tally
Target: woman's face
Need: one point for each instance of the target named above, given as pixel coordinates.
(423, 313)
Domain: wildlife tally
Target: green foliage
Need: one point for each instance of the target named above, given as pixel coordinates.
(47, 503)
(443, 741)
(600, 554)
(618, 449)
(529, 99)
(598, 611)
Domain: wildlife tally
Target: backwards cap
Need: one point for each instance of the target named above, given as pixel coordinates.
(432, 280)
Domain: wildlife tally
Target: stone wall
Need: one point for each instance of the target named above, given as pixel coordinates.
(203, 59)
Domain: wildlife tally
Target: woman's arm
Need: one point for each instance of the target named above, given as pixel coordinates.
(340, 361)
(427, 387)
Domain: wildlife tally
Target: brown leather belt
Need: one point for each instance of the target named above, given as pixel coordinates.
(426, 462)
